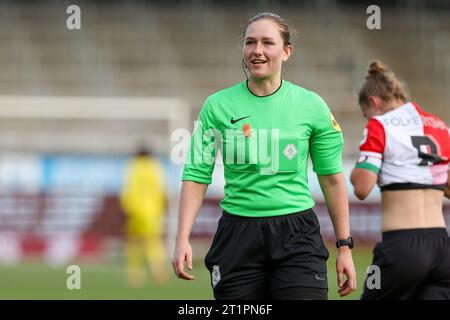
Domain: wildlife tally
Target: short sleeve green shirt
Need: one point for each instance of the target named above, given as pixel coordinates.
(264, 143)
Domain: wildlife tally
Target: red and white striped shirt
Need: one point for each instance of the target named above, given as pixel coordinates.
(408, 149)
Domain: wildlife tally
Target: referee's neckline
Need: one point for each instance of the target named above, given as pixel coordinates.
(267, 95)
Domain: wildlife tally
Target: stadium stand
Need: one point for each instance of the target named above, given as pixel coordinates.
(146, 49)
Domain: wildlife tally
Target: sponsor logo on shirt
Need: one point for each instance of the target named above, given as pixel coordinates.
(233, 121)
(402, 122)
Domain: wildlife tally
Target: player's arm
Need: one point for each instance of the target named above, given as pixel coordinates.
(127, 198)
(363, 181)
(191, 199)
(365, 174)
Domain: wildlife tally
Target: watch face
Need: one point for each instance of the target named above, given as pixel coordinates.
(345, 242)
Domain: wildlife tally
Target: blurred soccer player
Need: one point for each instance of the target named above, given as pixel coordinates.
(268, 242)
(143, 200)
(406, 151)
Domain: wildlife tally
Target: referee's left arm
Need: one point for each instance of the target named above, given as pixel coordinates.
(335, 192)
(326, 144)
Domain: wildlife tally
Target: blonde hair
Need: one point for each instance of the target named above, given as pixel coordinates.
(381, 82)
(285, 32)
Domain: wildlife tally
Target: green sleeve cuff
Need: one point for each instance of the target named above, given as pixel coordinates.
(329, 170)
(196, 179)
(368, 166)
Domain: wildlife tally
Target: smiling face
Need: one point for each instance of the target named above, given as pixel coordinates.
(264, 50)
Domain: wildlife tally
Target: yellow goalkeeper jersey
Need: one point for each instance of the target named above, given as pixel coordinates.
(143, 196)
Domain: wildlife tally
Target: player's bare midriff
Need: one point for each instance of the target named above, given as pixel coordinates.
(410, 209)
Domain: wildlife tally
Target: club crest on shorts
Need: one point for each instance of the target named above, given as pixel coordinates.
(215, 276)
(290, 151)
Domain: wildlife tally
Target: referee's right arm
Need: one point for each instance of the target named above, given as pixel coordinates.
(197, 176)
(191, 199)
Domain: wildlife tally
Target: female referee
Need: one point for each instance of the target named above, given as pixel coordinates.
(407, 151)
(268, 243)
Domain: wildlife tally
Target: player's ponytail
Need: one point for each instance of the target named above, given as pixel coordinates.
(376, 68)
(381, 82)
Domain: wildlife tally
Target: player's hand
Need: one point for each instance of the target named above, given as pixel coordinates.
(182, 254)
(345, 266)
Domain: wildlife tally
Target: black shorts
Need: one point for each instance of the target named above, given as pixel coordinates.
(413, 264)
(264, 258)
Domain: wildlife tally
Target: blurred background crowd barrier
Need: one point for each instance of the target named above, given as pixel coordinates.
(74, 104)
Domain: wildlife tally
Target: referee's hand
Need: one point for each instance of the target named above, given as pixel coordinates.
(344, 265)
(183, 252)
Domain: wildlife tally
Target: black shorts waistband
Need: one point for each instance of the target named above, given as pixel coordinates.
(431, 232)
(411, 186)
(227, 215)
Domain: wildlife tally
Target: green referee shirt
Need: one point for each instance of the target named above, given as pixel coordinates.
(264, 143)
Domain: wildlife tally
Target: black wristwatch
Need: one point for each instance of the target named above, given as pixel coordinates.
(345, 242)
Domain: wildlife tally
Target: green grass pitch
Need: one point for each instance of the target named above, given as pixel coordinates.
(34, 280)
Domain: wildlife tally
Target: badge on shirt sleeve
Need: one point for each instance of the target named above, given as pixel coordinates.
(362, 159)
(334, 123)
